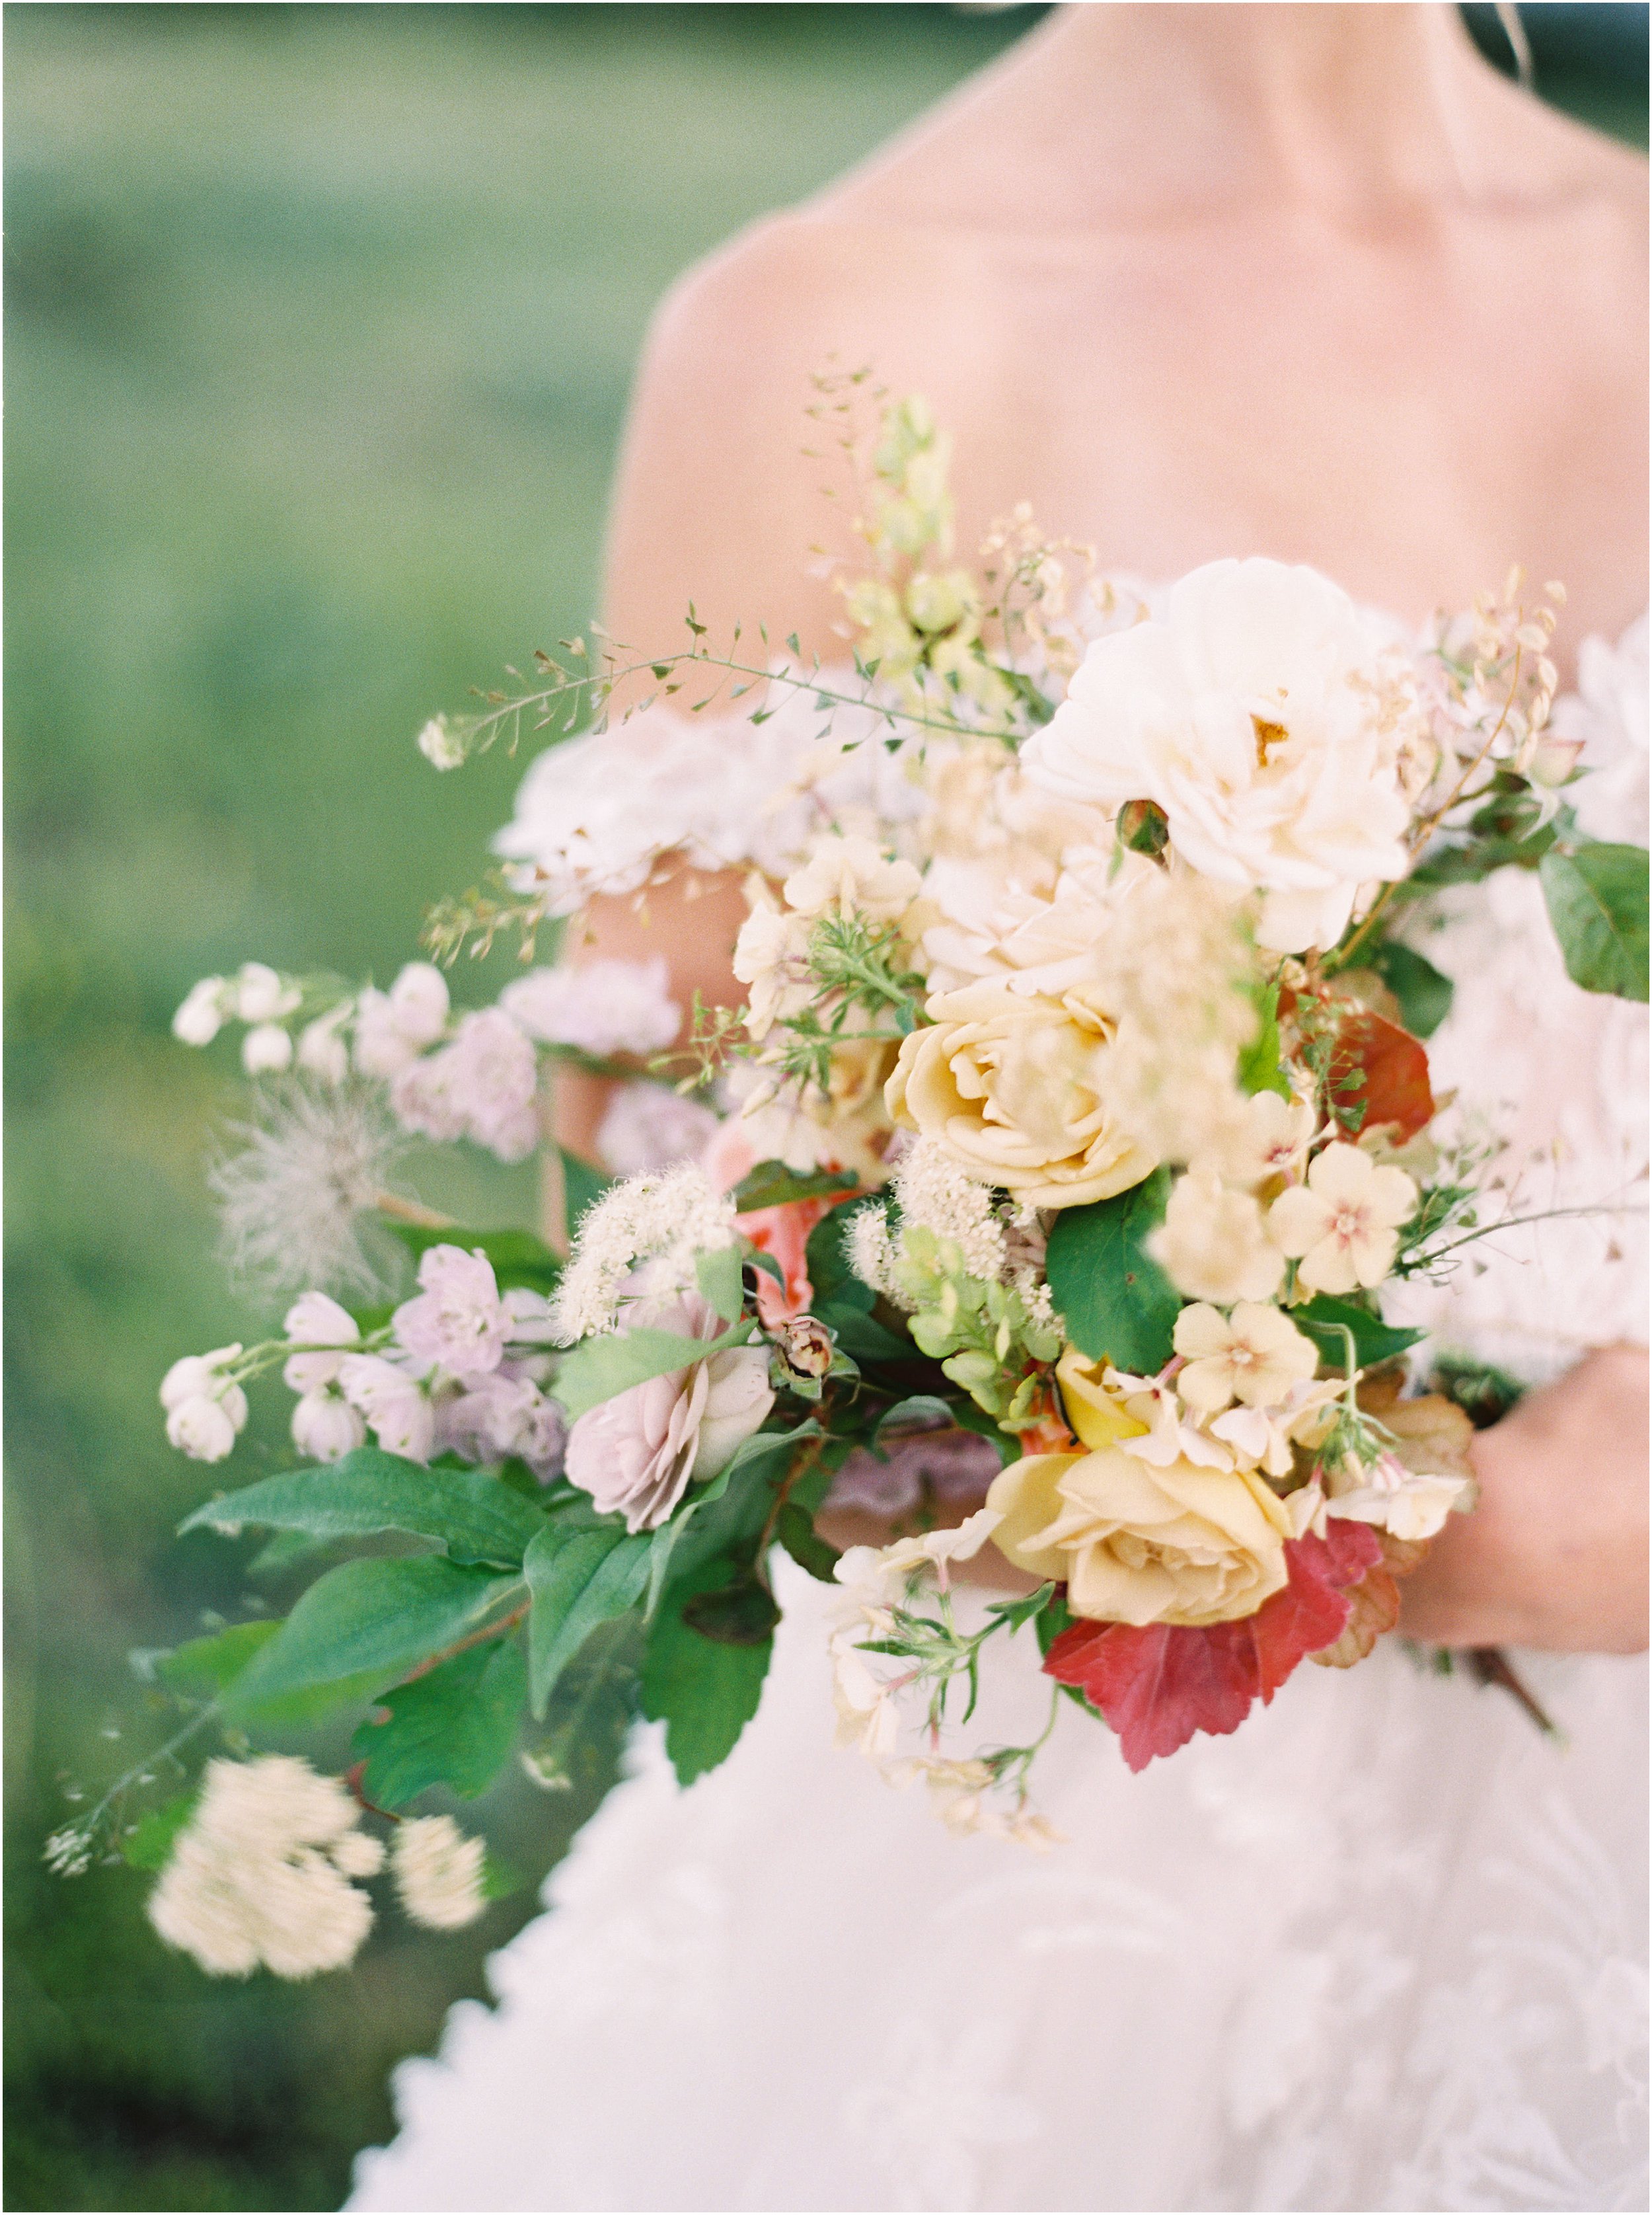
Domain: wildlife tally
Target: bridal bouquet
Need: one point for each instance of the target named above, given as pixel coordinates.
(1044, 1190)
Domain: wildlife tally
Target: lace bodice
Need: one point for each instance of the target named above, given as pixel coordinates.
(1382, 1949)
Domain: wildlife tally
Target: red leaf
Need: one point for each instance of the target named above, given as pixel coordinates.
(1160, 1685)
(1386, 1070)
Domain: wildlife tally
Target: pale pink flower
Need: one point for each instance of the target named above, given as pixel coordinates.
(1212, 1243)
(506, 1415)
(326, 1426)
(205, 1410)
(1255, 1355)
(649, 1127)
(1269, 1139)
(483, 1087)
(394, 1027)
(1343, 1224)
(315, 1320)
(398, 1411)
(201, 1014)
(202, 1428)
(637, 1453)
(458, 1319)
(602, 1007)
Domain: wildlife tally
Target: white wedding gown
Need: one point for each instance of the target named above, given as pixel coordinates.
(1382, 1949)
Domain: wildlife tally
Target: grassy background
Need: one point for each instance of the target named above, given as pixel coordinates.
(321, 320)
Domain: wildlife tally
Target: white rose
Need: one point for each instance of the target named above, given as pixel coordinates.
(327, 1427)
(1260, 714)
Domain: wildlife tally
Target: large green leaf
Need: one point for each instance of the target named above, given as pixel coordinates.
(705, 1690)
(1597, 903)
(601, 1368)
(1116, 1302)
(472, 1515)
(578, 1579)
(519, 1257)
(453, 1726)
(1423, 994)
(148, 1845)
(201, 1668)
(1324, 1319)
(369, 1623)
(592, 1707)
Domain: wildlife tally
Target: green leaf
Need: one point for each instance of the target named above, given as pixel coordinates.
(369, 1623)
(577, 1579)
(771, 1184)
(1259, 1069)
(200, 1669)
(742, 1613)
(1597, 897)
(519, 1257)
(453, 1726)
(1015, 1612)
(1424, 995)
(796, 1531)
(1117, 1303)
(921, 1407)
(826, 1258)
(704, 1691)
(147, 1844)
(601, 1368)
(472, 1514)
(288, 1550)
(582, 1182)
(862, 1338)
(1324, 1320)
(717, 1275)
(590, 1710)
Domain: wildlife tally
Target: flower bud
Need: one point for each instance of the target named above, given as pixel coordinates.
(321, 1051)
(805, 1346)
(198, 1375)
(1144, 827)
(326, 1426)
(260, 996)
(418, 1002)
(267, 1046)
(200, 1016)
(202, 1428)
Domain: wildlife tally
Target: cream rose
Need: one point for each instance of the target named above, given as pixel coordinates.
(1138, 1543)
(1010, 1086)
(1262, 714)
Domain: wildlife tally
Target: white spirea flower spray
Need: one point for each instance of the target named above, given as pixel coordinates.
(260, 1875)
(664, 1219)
(438, 1872)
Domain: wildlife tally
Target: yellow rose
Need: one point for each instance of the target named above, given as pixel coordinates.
(1097, 1416)
(1139, 1544)
(1009, 1084)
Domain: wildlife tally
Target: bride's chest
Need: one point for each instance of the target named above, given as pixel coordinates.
(1408, 424)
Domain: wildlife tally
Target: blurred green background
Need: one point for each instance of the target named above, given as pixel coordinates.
(321, 320)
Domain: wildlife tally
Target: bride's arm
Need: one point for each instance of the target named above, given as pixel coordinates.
(1555, 1554)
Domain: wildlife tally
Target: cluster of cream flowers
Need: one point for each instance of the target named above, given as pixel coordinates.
(665, 1221)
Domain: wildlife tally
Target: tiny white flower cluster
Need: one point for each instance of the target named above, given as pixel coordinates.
(261, 1874)
(936, 1194)
(438, 1872)
(664, 1220)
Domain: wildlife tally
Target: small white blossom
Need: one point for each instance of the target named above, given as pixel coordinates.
(437, 1872)
(260, 994)
(441, 747)
(205, 1409)
(602, 1007)
(392, 1028)
(875, 1577)
(197, 1374)
(852, 875)
(1269, 1139)
(260, 1875)
(200, 1016)
(326, 1426)
(266, 1048)
(398, 1411)
(202, 1428)
(321, 1050)
(1411, 1503)
(871, 1247)
(315, 1320)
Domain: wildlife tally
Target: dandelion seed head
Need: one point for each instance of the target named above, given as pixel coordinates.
(296, 1197)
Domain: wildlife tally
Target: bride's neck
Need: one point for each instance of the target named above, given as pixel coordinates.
(1356, 110)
